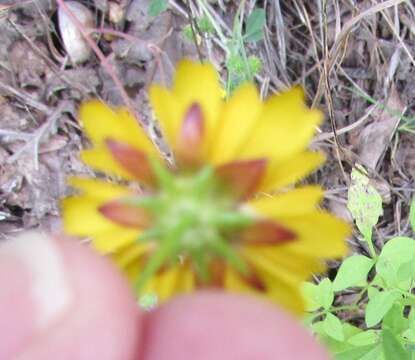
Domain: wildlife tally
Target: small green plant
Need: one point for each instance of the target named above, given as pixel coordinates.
(157, 7)
(203, 25)
(368, 311)
(240, 66)
(406, 123)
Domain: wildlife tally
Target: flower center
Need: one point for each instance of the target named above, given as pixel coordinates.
(194, 217)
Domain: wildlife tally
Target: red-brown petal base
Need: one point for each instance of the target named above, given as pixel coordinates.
(125, 214)
(242, 177)
(190, 138)
(266, 232)
(132, 160)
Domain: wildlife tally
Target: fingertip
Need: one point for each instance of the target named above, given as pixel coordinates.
(213, 325)
(76, 305)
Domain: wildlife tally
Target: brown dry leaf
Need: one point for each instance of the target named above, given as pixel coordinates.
(375, 138)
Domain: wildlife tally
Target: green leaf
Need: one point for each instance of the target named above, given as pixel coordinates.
(367, 337)
(255, 64)
(157, 7)
(375, 354)
(352, 272)
(309, 292)
(318, 328)
(405, 273)
(335, 346)
(205, 25)
(333, 327)
(325, 295)
(392, 348)
(364, 203)
(395, 253)
(409, 334)
(372, 292)
(317, 296)
(412, 215)
(378, 306)
(255, 23)
(350, 330)
(411, 319)
(395, 319)
(356, 353)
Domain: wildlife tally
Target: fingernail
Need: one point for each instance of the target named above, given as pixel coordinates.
(49, 285)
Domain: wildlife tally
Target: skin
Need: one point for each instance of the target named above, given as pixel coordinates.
(102, 321)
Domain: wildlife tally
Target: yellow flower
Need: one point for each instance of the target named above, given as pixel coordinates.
(221, 215)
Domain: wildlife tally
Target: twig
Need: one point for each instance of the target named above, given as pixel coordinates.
(27, 99)
(327, 87)
(344, 130)
(33, 140)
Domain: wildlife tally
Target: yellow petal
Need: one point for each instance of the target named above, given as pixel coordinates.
(113, 239)
(291, 170)
(263, 264)
(300, 266)
(186, 281)
(167, 282)
(173, 281)
(319, 234)
(282, 283)
(168, 112)
(288, 296)
(131, 272)
(102, 122)
(81, 217)
(278, 291)
(100, 159)
(192, 83)
(131, 259)
(239, 115)
(234, 282)
(102, 190)
(130, 254)
(285, 127)
(199, 83)
(293, 202)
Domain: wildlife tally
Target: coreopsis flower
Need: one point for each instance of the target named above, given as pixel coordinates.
(224, 214)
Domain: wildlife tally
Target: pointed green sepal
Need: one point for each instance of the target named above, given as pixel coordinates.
(226, 251)
(164, 177)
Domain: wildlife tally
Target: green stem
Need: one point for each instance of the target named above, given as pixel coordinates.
(222, 248)
(166, 251)
(212, 20)
(371, 248)
(353, 306)
(335, 309)
(154, 264)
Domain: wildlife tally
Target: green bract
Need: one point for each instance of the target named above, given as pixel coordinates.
(191, 215)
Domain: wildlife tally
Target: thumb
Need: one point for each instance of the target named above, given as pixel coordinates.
(60, 301)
